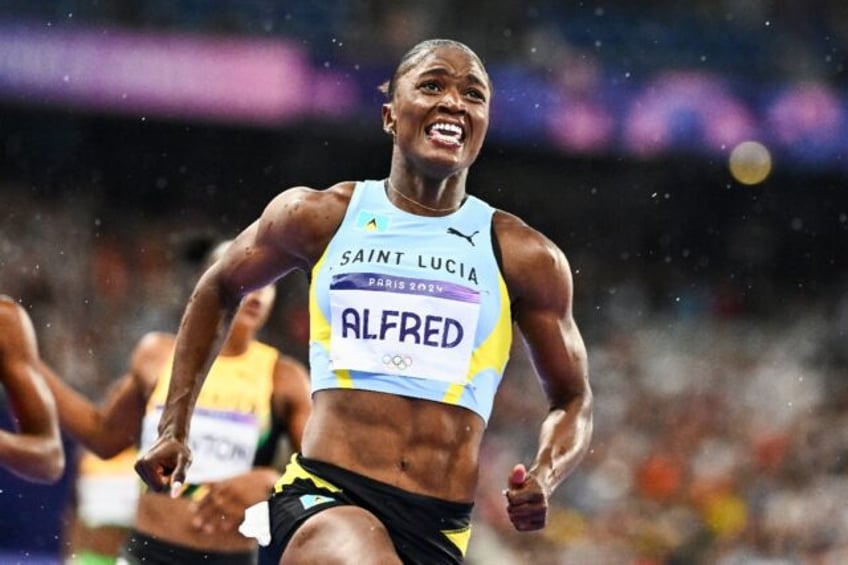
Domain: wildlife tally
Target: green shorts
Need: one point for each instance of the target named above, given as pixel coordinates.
(90, 558)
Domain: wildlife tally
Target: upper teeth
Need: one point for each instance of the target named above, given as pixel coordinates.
(448, 128)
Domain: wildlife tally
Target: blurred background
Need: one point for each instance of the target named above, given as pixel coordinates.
(689, 158)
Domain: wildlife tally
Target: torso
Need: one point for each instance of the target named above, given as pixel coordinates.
(232, 414)
(170, 519)
(412, 443)
(239, 391)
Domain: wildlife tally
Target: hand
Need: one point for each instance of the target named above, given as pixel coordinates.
(222, 508)
(164, 465)
(527, 501)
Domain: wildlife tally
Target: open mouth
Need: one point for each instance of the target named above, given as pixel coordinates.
(446, 133)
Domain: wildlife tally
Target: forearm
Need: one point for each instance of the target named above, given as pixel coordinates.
(36, 457)
(77, 414)
(202, 332)
(82, 419)
(563, 441)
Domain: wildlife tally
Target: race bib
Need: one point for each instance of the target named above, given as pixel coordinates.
(223, 444)
(402, 326)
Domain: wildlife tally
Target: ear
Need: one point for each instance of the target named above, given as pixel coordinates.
(388, 119)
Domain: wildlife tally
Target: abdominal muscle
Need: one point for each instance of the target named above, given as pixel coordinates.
(170, 520)
(420, 446)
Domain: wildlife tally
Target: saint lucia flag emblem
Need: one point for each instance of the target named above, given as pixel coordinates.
(310, 500)
(369, 221)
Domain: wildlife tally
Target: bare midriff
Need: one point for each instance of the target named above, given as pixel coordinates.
(170, 520)
(103, 540)
(420, 446)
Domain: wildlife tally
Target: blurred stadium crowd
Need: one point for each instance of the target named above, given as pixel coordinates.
(763, 39)
(720, 432)
(715, 315)
(585, 77)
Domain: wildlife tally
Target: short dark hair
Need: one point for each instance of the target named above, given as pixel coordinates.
(419, 50)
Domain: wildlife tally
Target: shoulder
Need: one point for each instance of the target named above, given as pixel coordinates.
(523, 245)
(156, 342)
(149, 358)
(290, 365)
(302, 217)
(153, 349)
(313, 206)
(16, 331)
(531, 261)
(10, 311)
(283, 364)
(290, 374)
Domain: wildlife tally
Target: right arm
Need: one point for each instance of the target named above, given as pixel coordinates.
(222, 509)
(287, 236)
(115, 425)
(35, 452)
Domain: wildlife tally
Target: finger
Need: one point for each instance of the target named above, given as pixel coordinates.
(527, 518)
(525, 498)
(202, 513)
(141, 472)
(521, 512)
(199, 522)
(205, 507)
(176, 489)
(212, 519)
(151, 479)
(517, 476)
(529, 525)
(178, 475)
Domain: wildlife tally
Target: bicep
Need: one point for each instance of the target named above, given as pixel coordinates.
(31, 402)
(558, 353)
(269, 248)
(544, 315)
(30, 399)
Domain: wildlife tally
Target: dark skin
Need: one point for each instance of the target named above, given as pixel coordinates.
(210, 523)
(34, 451)
(410, 443)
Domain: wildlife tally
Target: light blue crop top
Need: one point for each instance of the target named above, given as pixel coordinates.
(410, 305)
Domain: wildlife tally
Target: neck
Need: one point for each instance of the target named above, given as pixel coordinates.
(392, 189)
(235, 344)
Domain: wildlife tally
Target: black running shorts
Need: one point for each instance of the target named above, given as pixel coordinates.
(424, 530)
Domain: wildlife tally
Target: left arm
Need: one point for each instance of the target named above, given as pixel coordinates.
(541, 287)
(292, 401)
(35, 452)
(222, 509)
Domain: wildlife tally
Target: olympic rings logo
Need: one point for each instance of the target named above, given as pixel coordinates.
(397, 361)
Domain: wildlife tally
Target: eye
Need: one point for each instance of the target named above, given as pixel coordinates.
(430, 86)
(476, 94)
